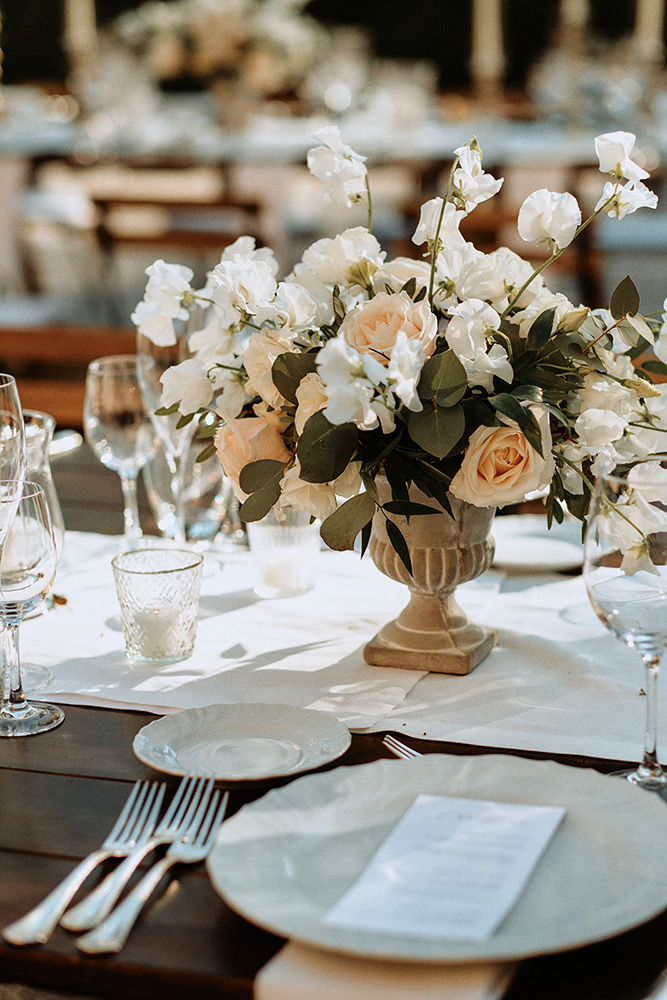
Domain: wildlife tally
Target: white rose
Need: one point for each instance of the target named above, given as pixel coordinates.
(490, 277)
(317, 499)
(546, 215)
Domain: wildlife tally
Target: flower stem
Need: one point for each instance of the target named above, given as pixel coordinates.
(436, 240)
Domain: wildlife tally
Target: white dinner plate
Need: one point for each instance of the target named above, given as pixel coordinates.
(284, 860)
(524, 544)
(242, 742)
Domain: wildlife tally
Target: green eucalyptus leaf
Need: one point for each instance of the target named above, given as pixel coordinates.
(437, 429)
(510, 407)
(341, 528)
(655, 367)
(421, 294)
(258, 475)
(624, 299)
(408, 508)
(208, 452)
(287, 371)
(184, 421)
(399, 544)
(541, 330)
(410, 286)
(443, 377)
(259, 504)
(366, 532)
(399, 487)
(324, 449)
(166, 411)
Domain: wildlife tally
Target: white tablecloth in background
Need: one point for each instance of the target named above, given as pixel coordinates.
(556, 682)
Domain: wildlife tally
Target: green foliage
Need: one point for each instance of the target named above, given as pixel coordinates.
(437, 429)
(262, 481)
(624, 299)
(289, 369)
(443, 378)
(324, 449)
(341, 528)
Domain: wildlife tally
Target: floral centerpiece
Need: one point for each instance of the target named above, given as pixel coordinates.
(355, 379)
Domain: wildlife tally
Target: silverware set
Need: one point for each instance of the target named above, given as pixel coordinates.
(189, 827)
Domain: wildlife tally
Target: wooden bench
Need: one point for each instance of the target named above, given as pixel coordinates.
(50, 362)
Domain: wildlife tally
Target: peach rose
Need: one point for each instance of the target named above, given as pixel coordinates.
(500, 465)
(244, 440)
(374, 325)
(311, 398)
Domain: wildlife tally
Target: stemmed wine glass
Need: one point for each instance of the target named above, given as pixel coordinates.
(12, 431)
(625, 571)
(27, 571)
(152, 362)
(119, 428)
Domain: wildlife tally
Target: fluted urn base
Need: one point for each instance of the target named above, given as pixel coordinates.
(432, 632)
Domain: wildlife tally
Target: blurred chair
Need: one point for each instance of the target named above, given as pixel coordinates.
(49, 363)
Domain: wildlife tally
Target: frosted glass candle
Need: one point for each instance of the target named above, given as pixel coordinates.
(285, 553)
(158, 591)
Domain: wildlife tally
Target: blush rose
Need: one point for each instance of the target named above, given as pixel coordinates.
(374, 326)
(500, 465)
(244, 440)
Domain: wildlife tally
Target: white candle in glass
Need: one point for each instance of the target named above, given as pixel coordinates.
(155, 626)
(649, 29)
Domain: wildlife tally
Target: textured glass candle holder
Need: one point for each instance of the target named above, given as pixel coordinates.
(285, 553)
(158, 591)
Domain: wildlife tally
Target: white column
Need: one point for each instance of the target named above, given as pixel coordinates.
(649, 27)
(487, 57)
(574, 13)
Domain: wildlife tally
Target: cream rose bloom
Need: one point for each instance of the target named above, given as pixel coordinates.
(244, 440)
(374, 326)
(500, 465)
(261, 352)
(311, 397)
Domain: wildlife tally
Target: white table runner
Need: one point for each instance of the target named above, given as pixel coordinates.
(556, 682)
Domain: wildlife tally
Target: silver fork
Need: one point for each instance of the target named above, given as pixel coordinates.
(399, 749)
(139, 813)
(193, 846)
(99, 903)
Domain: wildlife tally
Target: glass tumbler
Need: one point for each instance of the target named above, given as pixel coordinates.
(158, 592)
(285, 552)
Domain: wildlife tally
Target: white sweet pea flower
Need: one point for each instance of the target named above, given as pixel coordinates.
(467, 337)
(600, 392)
(245, 247)
(231, 395)
(242, 285)
(472, 184)
(542, 301)
(292, 307)
(405, 366)
(626, 525)
(496, 277)
(596, 428)
(154, 324)
(613, 151)
(627, 199)
(186, 384)
(571, 478)
(168, 282)
(349, 391)
(342, 171)
(546, 215)
(427, 227)
(650, 480)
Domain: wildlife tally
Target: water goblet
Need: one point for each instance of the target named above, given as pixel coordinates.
(119, 429)
(27, 571)
(625, 572)
(12, 432)
(153, 360)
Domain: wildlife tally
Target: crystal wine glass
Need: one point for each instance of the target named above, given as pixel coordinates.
(27, 571)
(12, 432)
(152, 362)
(625, 571)
(119, 428)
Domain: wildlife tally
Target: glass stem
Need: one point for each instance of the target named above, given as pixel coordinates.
(650, 758)
(133, 530)
(13, 699)
(178, 491)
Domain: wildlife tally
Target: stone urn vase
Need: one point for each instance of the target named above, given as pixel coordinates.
(432, 632)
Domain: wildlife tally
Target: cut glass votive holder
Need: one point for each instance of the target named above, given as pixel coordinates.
(158, 592)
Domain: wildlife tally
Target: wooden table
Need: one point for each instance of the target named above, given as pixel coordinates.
(61, 792)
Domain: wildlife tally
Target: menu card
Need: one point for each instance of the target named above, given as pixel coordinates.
(451, 868)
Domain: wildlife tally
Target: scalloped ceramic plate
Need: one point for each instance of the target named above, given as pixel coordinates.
(242, 742)
(285, 859)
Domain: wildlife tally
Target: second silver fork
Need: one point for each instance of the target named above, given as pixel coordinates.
(191, 792)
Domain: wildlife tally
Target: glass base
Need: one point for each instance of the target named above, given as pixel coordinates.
(642, 777)
(35, 678)
(34, 717)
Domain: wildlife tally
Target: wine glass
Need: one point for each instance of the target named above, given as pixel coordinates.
(12, 431)
(152, 362)
(625, 571)
(119, 429)
(27, 571)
